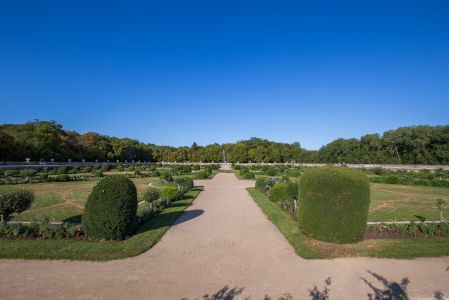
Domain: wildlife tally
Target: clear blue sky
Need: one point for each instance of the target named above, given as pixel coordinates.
(174, 72)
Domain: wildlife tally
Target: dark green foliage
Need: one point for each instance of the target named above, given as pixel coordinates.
(98, 173)
(271, 172)
(200, 174)
(105, 167)
(186, 169)
(196, 167)
(110, 210)
(392, 179)
(260, 184)
(62, 178)
(151, 194)
(63, 170)
(86, 170)
(166, 176)
(47, 140)
(14, 200)
(292, 190)
(184, 184)
(334, 204)
(279, 192)
(28, 172)
(248, 175)
(11, 172)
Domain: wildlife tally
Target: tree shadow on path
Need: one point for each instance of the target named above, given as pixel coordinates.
(390, 290)
(224, 293)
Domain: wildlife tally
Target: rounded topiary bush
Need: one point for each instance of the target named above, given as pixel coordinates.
(333, 204)
(279, 192)
(110, 210)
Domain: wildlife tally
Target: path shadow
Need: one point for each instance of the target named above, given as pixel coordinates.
(73, 219)
(189, 215)
(390, 290)
(316, 294)
(225, 293)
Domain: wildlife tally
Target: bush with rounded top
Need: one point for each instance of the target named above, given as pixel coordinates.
(166, 176)
(279, 192)
(151, 194)
(186, 169)
(200, 174)
(98, 173)
(184, 184)
(292, 190)
(334, 204)
(110, 210)
(248, 176)
(170, 193)
(14, 200)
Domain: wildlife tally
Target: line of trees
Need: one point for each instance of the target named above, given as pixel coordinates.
(45, 140)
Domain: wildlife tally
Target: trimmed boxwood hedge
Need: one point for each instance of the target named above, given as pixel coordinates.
(110, 210)
(334, 203)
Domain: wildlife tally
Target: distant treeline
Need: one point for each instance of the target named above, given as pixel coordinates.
(45, 140)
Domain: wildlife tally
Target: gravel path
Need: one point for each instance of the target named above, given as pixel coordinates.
(223, 247)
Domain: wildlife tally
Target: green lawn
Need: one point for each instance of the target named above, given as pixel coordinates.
(391, 202)
(311, 248)
(394, 202)
(64, 201)
(147, 236)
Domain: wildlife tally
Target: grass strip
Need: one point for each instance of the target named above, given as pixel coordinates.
(145, 238)
(285, 223)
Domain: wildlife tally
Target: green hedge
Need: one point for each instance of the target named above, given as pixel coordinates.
(110, 210)
(333, 204)
(279, 192)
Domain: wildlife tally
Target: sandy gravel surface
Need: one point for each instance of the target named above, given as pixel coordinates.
(223, 242)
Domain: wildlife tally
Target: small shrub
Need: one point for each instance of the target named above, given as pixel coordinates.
(63, 170)
(14, 200)
(248, 176)
(105, 167)
(151, 194)
(392, 179)
(110, 210)
(8, 173)
(62, 178)
(271, 172)
(42, 176)
(28, 172)
(169, 193)
(145, 211)
(279, 192)
(166, 177)
(184, 184)
(98, 173)
(334, 203)
(186, 169)
(200, 174)
(86, 170)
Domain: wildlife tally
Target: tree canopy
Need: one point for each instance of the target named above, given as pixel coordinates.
(45, 140)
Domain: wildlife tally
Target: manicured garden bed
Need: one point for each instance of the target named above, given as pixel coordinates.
(146, 236)
(306, 247)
